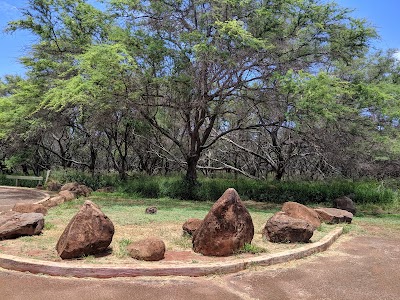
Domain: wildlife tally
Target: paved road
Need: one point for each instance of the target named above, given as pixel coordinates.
(9, 196)
(353, 268)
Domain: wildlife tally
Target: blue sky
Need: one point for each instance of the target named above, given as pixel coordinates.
(383, 15)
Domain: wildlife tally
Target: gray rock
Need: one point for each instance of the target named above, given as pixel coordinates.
(345, 203)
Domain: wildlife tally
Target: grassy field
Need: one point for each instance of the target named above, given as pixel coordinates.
(132, 224)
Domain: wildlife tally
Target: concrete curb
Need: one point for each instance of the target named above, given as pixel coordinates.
(153, 269)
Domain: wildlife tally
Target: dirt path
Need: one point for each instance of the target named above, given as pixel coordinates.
(354, 268)
(9, 196)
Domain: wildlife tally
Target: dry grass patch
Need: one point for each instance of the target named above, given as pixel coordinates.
(132, 224)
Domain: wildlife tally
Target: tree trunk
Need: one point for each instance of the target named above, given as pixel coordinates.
(191, 170)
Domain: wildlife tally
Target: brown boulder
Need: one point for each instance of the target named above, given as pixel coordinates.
(300, 211)
(53, 201)
(90, 231)
(191, 225)
(281, 228)
(345, 203)
(334, 215)
(67, 195)
(77, 189)
(30, 208)
(151, 249)
(226, 228)
(14, 224)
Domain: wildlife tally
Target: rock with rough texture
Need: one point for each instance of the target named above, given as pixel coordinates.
(106, 189)
(89, 232)
(281, 228)
(30, 208)
(345, 203)
(300, 211)
(226, 228)
(151, 210)
(14, 224)
(67, 195)
(77, 189)
(53, 201)
(334, 215)
(151, 249)
(191, 225)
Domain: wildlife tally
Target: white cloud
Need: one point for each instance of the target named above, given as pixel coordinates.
(396, 55)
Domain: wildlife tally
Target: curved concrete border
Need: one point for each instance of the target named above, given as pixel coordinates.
(106, 271)
(46, 196)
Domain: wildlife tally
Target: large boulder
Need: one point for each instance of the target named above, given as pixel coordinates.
(90, 231)
(345, 203)
(53, 201)
(14, 224)
(191, 225)
(67, 195)
(30, 208)
(281, 228)
(151, 249)
(334, 215)
(226, 228)
(300, 211)
(77, 189)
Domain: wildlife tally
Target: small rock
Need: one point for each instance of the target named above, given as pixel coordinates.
(151, 210)
(30, 208)
(345, 203)
(226, 228)
(334, 215)
(14, 224)
(151, 249)
(281, 228)
(191, 225)
(107, 189)
(90, 231)
(300, 211)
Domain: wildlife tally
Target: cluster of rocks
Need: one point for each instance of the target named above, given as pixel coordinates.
(297, 222)
(226, 228)
(67, 192)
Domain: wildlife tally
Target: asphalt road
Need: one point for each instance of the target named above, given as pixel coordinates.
(9, 196)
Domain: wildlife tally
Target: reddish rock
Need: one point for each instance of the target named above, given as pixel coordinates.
(151, 210)
(30, 208)
(226, 228)
(67, 195)
(14, 224)
(90, 231)
(300, 211)
(281, 228)
(77, 189)
(191, 225)
(70, 186)
(53, 201)
(151, 249)
(345, 203)
(334, 215)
